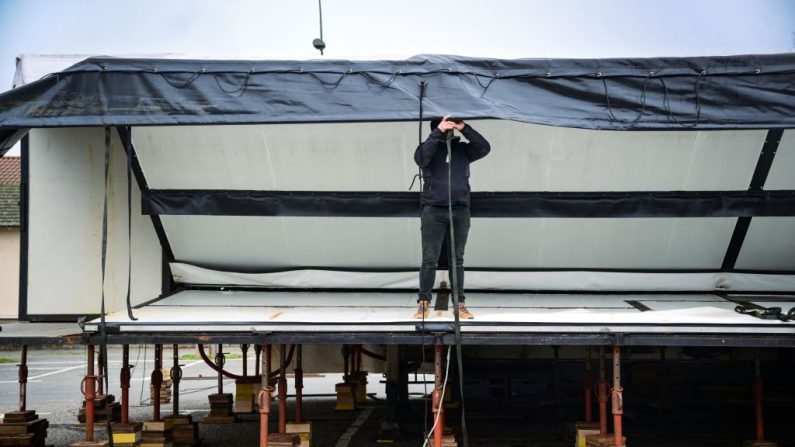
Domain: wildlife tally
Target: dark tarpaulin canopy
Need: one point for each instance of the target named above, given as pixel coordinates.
(728, 92)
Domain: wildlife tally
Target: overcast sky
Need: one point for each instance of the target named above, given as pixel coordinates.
(284, 29)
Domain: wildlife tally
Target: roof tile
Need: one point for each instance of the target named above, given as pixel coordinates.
(9, 205)
(10, 170)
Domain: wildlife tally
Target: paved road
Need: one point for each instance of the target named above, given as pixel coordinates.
(54, 392)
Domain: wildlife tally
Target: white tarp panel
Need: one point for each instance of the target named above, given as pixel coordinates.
(782, 172)
(238, 243)
(769, 244)
(378, 157)
(488, 280)
(65, 239)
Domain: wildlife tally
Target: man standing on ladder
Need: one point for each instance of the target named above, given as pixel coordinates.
(446, 178)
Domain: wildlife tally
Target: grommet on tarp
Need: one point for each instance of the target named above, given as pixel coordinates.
(252, 70)
(757, 71)
(203, 70)
(598, 74)
(651, 73)
(548, 74)
(703, 72)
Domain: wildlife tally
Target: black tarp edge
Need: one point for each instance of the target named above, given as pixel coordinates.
(723, 92)
(484, 204)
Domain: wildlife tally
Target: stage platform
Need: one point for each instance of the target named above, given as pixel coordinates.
(510, 318)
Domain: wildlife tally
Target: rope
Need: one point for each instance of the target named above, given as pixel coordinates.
(102, 329)
(128, 143)
(454, 283)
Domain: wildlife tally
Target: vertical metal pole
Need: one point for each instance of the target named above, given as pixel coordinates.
(176, 377)
(219, 360)
(100, 373)
(23, 379)
(282, 388)
(157, 381)
(438, 407)
(603, 386)
(244, 348)
(588, 388)
(124, 380)
(618, 398)
(299, 384)
(89, 392)
(257, 355)
(268, 361)
(345, 358)
(760, 423)
(264, 399)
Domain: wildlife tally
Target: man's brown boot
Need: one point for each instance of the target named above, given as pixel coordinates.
(464, 313)
(423, 310)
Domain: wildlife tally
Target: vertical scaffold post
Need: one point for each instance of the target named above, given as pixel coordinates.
(437, 397)
(244, 348)
(282, 388)
(603, 392)
(157, 381)
(220, 360)
(89, 391)
(100, 373)
(23, 379)
(257, 354)
(346, 354)
(618, 398)
(758, 389)
(264, 398)
(588, 388)
(124, 381)
(176, 377)
(299, 384)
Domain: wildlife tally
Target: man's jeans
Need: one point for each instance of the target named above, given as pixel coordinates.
(435, 225)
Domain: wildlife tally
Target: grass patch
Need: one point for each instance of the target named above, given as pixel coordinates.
(8, 360)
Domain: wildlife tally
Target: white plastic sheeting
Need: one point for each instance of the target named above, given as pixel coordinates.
(482, 280)
(318, 312)
(65, 225)
(379, 157)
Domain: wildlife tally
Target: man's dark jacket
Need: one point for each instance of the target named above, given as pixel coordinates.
(431, 156)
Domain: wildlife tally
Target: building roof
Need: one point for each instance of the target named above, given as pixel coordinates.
(9, 205)
(10, 170)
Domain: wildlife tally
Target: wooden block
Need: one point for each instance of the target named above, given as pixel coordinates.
(165, 424)
(129, 437)
(20, 416)
(35, 425)
(90, 444)
(180, 419)
(127, 428)
(602, 441)
(220, 398)
(155, 444)
(295, 427)
(583, 429)
(283, 440)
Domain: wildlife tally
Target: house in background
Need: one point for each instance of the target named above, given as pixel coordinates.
(9, 236)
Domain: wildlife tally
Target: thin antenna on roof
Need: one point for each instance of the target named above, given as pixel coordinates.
(318, 43)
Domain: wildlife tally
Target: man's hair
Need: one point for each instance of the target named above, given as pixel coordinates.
(435, 123)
